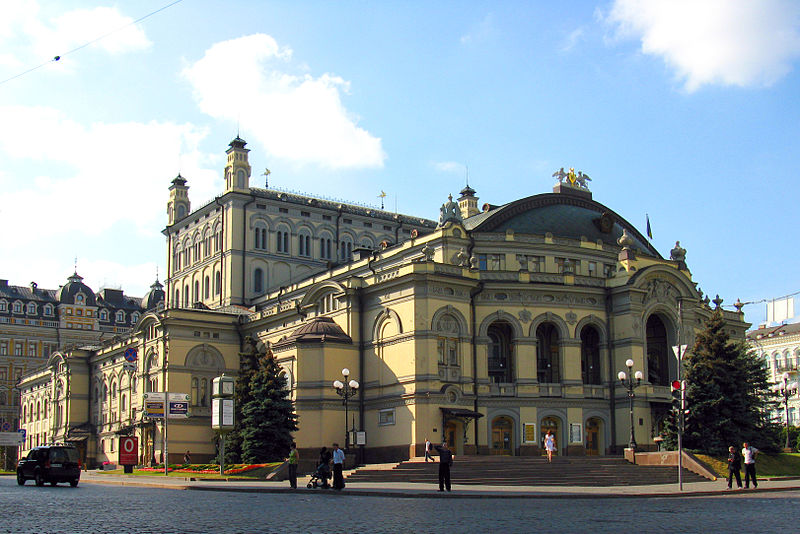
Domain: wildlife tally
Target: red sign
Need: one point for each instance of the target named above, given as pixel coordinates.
(128, 450)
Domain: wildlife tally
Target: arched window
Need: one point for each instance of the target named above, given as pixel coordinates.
(114, 391)
(240, 178)
(325, 244)
(186, 295)
(304, 244)
(657, 350)
(204, 392)
(48, 309)
(327, 303)
(177, 302)
(206, 287)
(346, 249)
(590, 355)
(447, 340)
(135, 317)
(31, 308)
(500, 353)
(217, 283)
(258, 280)
(283, 241)
(547, 354)
(123, 402)
(196, 292)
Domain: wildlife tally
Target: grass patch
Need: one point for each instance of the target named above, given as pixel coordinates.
(259, 473)
(767, 465)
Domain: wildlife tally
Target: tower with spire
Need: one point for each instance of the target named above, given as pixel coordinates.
(178, 206)
(468, 202)
(237, 169)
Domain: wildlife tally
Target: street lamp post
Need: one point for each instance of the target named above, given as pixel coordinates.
(346, 390)
(627, 380)
(786, 392)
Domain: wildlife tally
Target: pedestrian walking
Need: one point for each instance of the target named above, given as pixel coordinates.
(549, 445)
(338, 467)
(734, 466)
(749, 454)
(294, 457)
(187, 458)
(428, 451)
(445, 461)
(324, 466)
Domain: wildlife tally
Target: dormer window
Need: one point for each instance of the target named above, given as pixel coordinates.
(104, 315)
(79, 299)
(120, 316)
(48, 309)
(31, 308)
(18, 307)
(3, 306)
(135, 317)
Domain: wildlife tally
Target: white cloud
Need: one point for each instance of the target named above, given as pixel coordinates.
(727, 42)
(481, 32)
(449, 166)
(296, 117)
(92, 176)
(27, 35)
(572, 39)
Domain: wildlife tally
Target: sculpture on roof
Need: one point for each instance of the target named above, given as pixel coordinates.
(572, 178)
(449, 212)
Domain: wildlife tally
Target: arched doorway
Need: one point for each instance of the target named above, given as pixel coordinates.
(658, 351)
(593, 435)
(503, 436)
(500, 353)
(547, 354)
(552, 424)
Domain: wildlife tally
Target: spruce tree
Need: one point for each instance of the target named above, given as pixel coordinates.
(268, 418)
(727, 394)
(248, 367)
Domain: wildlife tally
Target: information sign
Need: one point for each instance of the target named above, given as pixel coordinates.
(11, 439)
(529, 432)
(222, 414)
(154, 405)
(128, 450)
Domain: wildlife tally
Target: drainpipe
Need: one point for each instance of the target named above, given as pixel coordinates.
(244, 247)
(361, 367)
(612, 379)
(472, 294)
(338, 219)
(167, 297)
(221, 249)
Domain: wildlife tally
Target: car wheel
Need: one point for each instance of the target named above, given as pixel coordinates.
(73, 482)
(20, 478)
(39, 478)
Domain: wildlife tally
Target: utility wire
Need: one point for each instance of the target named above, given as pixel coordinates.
(84, 45)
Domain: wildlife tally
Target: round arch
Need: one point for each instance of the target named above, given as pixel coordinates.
(550, 317)
(383, 317)
(596, 323)
(500, 316)
(453, 312)
(205, 357)
(499, 433)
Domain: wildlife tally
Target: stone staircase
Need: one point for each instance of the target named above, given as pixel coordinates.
(529, 471)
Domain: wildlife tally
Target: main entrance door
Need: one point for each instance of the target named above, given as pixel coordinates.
(502, 436)
(551, 424)
(592, 437)
(453, 432)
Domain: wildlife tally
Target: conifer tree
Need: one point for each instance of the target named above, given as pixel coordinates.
(268, 418)
(248, 367)
(727, 393)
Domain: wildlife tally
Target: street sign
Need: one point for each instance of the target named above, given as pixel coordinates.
(154, 405)
(22, 432)
(128, 450)
(6, 426)
(131, 354)
(679, 351)
(129, 366)
(13, 439)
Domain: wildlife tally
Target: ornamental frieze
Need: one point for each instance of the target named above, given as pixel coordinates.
(661, 291)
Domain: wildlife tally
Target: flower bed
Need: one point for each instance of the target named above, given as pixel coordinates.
(234, 469)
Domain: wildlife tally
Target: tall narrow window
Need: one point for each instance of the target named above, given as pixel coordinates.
(590, 356)
(258, 280)
(547, 354)
(500, 353)
(217, 283)
(206, 287)
(657, 350)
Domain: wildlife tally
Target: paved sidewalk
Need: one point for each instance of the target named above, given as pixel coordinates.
(413, 490)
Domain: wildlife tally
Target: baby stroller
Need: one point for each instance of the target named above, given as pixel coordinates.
(319, 478)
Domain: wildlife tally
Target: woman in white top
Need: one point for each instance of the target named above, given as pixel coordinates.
(549, 445)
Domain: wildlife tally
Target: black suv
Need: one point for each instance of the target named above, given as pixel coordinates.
(50, 463)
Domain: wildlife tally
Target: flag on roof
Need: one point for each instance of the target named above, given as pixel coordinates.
(649, 231)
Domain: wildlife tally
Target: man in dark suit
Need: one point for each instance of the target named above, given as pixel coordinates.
(445, 461)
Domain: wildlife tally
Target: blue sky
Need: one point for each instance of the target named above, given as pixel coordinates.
(687, 111)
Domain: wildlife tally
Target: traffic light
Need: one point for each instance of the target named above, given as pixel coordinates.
(679, 402)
